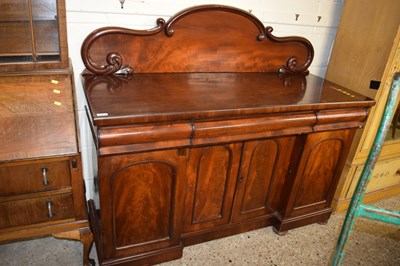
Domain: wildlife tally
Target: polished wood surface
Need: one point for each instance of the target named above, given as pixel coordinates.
(31, 176)
(213, 134)
(211, 179)
(41, 183)
(145, 204)
(141, 98)
(31, 207)
(24, 212)
(37, 115)
(264, 165)
(198, 39)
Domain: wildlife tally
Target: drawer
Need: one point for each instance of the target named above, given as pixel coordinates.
(36, 210)
(28, 178)
(385, 174)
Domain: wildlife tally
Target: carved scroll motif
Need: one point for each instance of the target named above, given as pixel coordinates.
(292, 65)
(114, 60)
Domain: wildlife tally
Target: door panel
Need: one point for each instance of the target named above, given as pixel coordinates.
(143, 201)
(262, 173)
(211, 173)
(319, 171)
(139, 215)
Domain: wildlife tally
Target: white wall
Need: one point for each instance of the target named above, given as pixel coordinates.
(84, 16)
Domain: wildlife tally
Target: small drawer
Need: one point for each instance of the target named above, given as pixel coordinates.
(385, 174)
(36, 177)
(36, 210)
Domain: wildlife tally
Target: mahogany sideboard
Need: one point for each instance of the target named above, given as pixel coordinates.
(41, 183)
(206, 126)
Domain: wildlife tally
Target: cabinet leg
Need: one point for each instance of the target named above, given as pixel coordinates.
(85, 236)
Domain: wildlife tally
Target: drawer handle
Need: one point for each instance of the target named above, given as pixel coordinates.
(50, 209)
(44, 174)
(398, 172)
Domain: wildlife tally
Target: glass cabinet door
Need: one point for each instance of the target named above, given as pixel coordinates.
(45, 30)
(15, 32)
(30, 33)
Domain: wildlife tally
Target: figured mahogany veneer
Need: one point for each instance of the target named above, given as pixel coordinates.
(208, 126)
(199, 39)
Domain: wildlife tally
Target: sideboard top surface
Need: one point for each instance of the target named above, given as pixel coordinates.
(36, 116)
(205, 62)
(143, 98)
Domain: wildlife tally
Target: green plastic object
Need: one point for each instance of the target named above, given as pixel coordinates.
(356, 209)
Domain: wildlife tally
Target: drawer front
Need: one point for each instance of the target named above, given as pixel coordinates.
(385, 174)
(36, 210)
(28, 178)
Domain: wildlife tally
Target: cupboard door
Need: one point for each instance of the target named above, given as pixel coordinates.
(319, 170)
(261, 177)
(211, 178)
(141, 197)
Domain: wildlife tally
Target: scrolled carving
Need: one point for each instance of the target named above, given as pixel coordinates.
(292, 65)
(261, 36)
(115, 46)
(113, 59)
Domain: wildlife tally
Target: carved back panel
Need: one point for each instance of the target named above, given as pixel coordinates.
(209, 38)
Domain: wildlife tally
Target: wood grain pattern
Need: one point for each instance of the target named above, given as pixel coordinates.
(33, 211)
(141, 98)
(211, 179)
(41, 184)
(149, 215)
(214, 102)
(134, 220)
(260, 173)
(314, 178)
(38, 119)
(211, 36)
(21, 179)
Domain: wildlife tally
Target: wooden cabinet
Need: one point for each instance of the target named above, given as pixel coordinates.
(41, 184)
(312, 181)
(145, 204)
(366, 52)
(220, 132)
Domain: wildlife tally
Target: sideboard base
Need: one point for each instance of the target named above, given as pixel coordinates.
(283, 225)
